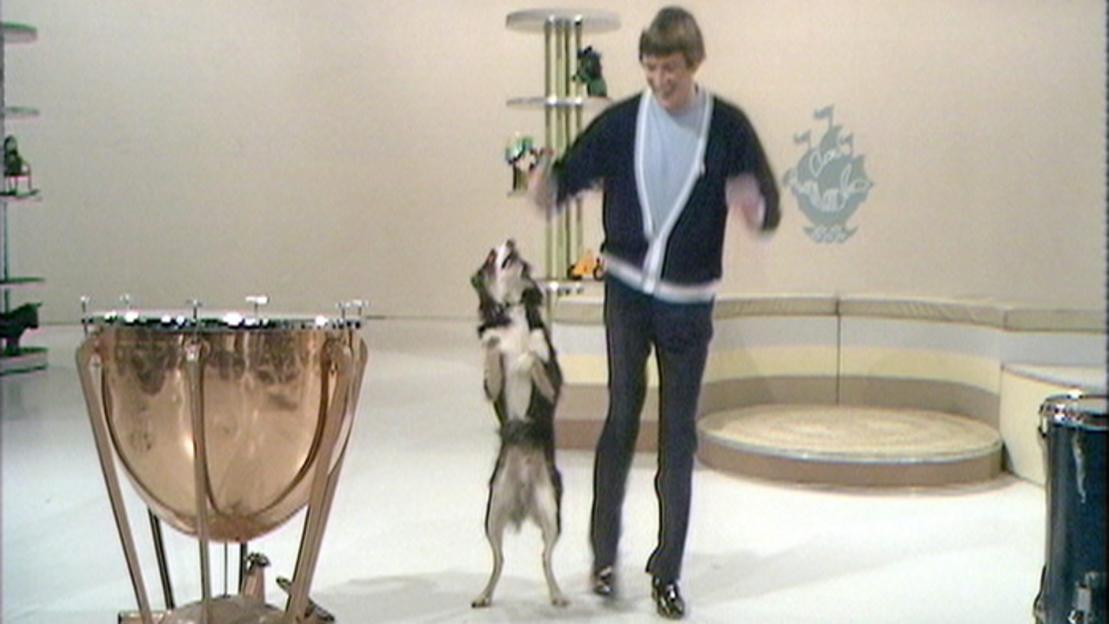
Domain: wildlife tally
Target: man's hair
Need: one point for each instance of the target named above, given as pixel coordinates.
(673, 30)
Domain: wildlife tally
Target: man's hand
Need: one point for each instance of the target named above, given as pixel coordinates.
(744, 197)
(541, 188)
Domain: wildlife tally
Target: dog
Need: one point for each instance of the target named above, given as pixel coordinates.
(523, 381)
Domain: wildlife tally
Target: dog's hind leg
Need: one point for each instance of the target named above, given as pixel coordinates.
(546, 516)
(496, 518)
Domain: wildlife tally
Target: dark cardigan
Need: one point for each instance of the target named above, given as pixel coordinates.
(604, 154)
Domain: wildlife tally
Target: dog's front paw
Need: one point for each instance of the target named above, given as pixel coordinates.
(481, 601)
(559, 600)
(537, 344)
(525, 360)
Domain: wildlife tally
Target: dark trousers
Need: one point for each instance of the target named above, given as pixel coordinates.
(680, 335)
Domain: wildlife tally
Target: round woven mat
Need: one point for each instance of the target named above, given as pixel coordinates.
(847, 433)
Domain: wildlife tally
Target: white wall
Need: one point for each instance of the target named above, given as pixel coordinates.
(319, 151)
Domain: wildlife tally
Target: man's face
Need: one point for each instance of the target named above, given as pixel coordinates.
(670, 78)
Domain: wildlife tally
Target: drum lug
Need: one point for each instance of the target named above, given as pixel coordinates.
(195, 305)
(85, 301)
(135, 617)
(1090, 591)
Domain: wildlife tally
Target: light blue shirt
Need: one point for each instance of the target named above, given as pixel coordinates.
(670, 145)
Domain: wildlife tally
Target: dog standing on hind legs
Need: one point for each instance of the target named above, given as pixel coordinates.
(523, 382)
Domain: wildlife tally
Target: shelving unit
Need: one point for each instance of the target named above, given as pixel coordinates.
(563, 103)
(28, 358)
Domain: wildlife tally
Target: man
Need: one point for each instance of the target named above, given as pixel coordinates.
(671, 162)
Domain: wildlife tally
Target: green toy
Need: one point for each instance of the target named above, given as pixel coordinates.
(589, 72)
(519, 149)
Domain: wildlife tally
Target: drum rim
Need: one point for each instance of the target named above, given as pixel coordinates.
(175, 321)
(1060, 409)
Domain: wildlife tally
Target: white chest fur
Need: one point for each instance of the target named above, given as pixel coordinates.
(520, 350)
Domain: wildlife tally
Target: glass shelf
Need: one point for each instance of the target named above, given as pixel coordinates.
(12, 283)
(26, 360)
(34, 195)
(20, 112)
(534, 20)
(540, 102)
(19, 33)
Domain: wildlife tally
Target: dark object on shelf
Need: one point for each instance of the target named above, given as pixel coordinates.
(14, 323)
(15, 168)
(589, 72)
(521, 155)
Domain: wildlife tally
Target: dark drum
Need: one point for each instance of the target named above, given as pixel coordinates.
(1072, 585)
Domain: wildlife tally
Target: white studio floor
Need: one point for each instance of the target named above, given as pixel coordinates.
(405, 542)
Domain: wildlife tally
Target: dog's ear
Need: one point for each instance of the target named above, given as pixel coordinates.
(487, 307)
(532, 295)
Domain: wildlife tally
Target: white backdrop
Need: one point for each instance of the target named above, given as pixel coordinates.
(353, 148)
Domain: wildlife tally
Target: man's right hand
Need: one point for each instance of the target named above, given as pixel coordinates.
(542, 189)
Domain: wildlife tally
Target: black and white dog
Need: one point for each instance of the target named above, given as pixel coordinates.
(523, 382)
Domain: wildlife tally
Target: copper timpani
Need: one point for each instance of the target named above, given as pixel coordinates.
(267, 403)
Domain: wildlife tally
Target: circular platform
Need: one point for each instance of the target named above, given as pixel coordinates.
(850, 445)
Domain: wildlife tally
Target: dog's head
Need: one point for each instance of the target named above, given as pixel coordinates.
(504, 280)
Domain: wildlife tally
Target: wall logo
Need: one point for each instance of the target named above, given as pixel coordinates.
(828, 181)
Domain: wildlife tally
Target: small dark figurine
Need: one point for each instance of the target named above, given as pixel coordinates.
(15, 168)
(520, 154)
(589, 72)
(14, 323)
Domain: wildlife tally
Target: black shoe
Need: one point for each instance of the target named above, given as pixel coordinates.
(668, 600)
(604, 582)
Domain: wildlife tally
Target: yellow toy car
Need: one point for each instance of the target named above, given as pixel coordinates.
(588, 265)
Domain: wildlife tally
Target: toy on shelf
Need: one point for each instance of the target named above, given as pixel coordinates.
(15, 168)
(589, 72)
(588, 265)
(521, 156)
(14, 323)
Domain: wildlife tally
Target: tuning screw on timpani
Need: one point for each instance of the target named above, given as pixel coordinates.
(258, 301)
(85, 300)
(195, 305)
(360, 305)
(353, 304)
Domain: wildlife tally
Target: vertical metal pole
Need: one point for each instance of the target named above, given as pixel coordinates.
(549, 93)
(98, 420)
(243, 548)
(565, 60)
(575, 129)
(160, 554)
(4, 253)
(340, 361)
(193, 354)
(225, 568)
(5, 304)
